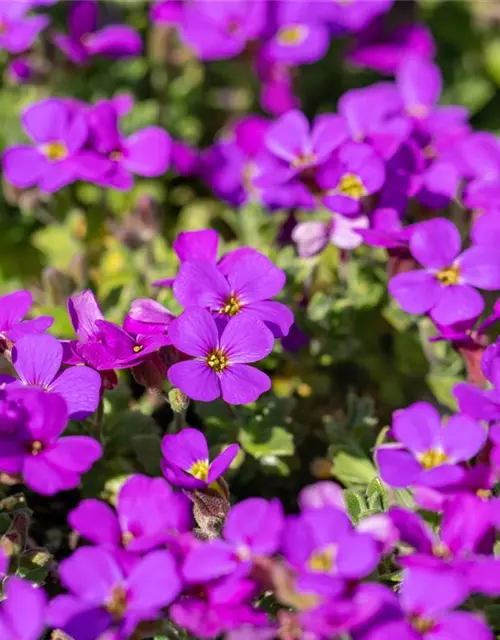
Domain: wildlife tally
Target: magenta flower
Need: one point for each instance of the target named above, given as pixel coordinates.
(355, 172)
(22, 612)
(241, 283)
(31, 445)
(301, 35)
(101, 597)
(482, 404)
(312, 237)
(219, 357)
(429, 453)
(186, 460)
(59, 131)
(218, 30)
(37, 360)
(253, 527)
(84, 40)
(19, 31)
(148, 514)
(145, 153)
(147, 316)
(445, 287)
(13, 307)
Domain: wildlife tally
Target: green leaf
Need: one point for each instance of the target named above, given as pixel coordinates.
(442, 386)
(353, 470)
(267, 442)
(377, 495)
(355, 504)
(57, 244)
(148, 452)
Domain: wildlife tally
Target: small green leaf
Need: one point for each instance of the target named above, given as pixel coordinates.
(377, 495)
(356, 505)
(267, 442)
(148, 452)
(353, 470)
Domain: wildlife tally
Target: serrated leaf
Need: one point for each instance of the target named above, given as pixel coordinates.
(377, 495)
(355, 504)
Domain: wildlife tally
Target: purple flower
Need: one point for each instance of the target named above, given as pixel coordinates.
(145, 153)
(312, 237)
(220, 356)
(445, 287)
(17, 30)
(13, 307)
(148, 514)
(354, 15)
(59, 132)
(31, 446)
(186, 461)
(324, 547)
(37, 360)
(301, 35)
(426, 610)
(218, 30)
(84, 41)
(22, 612)
(429, 453)
(482, 404)
(355, 172)
(167, 11)
(240, 284)
(253, 528)
(102, 597)
(147, 316)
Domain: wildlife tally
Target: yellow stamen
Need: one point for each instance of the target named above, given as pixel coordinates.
(232, 306)
(138, 348)
(200, 470)
(117, 604)
(217, 360)
(36, 447)
(352, 186)
(127, 538)
(292, 35)
(55, 151)
(421, 624)
(323, 561)
(303, 160)
(116, 156)
(449, 276)
(433, 458)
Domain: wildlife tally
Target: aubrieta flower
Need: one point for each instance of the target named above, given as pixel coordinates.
(218, 366)
(426, 610)
(482, 404)
(31, 446)
(429, 453)
(240, 284)
(59, 131)
(37, 360)
(85, 41)
(22, 611)
(253, 528)
(444, 288)
(341, 231)
(101, 597)
(148, 514)
(13, 307)
(186, 461)
(18, 31)
(218, 30)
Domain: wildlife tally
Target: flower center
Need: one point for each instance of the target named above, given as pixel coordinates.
(441, 550)
(127, 538)
(3, 28)
(200, 470)
(117, 604)
(116, 156)
(352, 186)
(232, 305)
(138, 348)
(303, 160)
(449, 276)
(323, 561)
(217, 360)
(433, 458)
(292, 35)
(55, 151)
(422, 624)
(36, 447)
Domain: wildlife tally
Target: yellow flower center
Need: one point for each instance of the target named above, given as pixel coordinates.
(323, 561)
(217, 360)
(138, 348)
(421, 624)
(449, 276)
(303, 160)
(433, 458)
(127, 538)
(117, 604)
(116, 156)
(36, 447)
(292, 35)
(55, 151)
(232, 306)
(352, 186)
(200, 470)
(441, 550)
